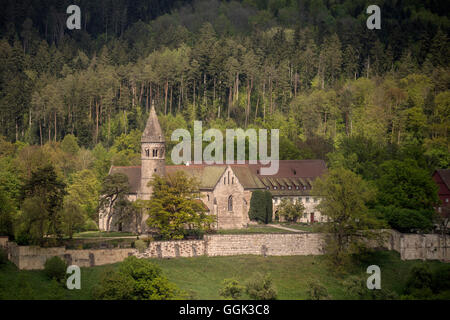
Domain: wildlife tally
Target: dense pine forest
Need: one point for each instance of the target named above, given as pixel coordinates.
(73, 102)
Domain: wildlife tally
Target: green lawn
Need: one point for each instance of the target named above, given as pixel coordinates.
(202, 276)
(102, 234)
(304, 227)
(253, 229)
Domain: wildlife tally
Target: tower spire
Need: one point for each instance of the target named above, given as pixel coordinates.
(152, 131)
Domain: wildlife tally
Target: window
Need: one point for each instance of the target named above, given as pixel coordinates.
(315, 199)
(155, 152)
(282, 187)
(228, 177)
(267, 188)
(289, 187)
(207, 197)
(307, 199)
(230, 203)
(232, 180)
(446, 200)
(224, 180)
(274, 188)
(147, 152)
(296, 187)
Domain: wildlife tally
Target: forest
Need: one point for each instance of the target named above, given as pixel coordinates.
(75, 102)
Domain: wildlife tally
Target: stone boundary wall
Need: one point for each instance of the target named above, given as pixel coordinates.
(270, 244)
(174, 249)
(410, 247)
(421, 246)
(33, 257)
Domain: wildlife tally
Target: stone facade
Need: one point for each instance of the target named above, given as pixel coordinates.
(33, 257)
(230, 202)
(410, 247)
(311, 213)
(274, 244)
(174, 249)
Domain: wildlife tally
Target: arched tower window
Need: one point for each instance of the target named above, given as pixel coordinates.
(147, 152)
(230, 203)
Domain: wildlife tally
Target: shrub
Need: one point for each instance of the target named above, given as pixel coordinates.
(3, 256)
(114, 286)
(261, 206)
(316, 291)
(261, 288)
(55, 268)
(231, 289)
(356, 287)
(136, 279)
(290, 211)
(23, 238)
(407, 220)
(141, 245)
(90, 225)
(420, 278)
(441, 279)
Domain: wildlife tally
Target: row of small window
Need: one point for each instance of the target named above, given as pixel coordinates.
(307, 199)
(289, 188)
(154, 152)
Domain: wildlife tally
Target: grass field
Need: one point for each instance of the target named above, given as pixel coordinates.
(303, 227)
(203, 276)
(253, 229)
(101, 234)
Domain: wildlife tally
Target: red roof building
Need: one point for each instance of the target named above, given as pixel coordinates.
(442, 178)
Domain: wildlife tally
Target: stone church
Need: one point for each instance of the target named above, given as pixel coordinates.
(225, 189)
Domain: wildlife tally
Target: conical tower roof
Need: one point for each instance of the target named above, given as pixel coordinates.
(152, 132)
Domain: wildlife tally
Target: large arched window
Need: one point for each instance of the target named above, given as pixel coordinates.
(230, 203)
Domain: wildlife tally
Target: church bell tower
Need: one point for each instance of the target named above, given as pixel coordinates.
(153, 149)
